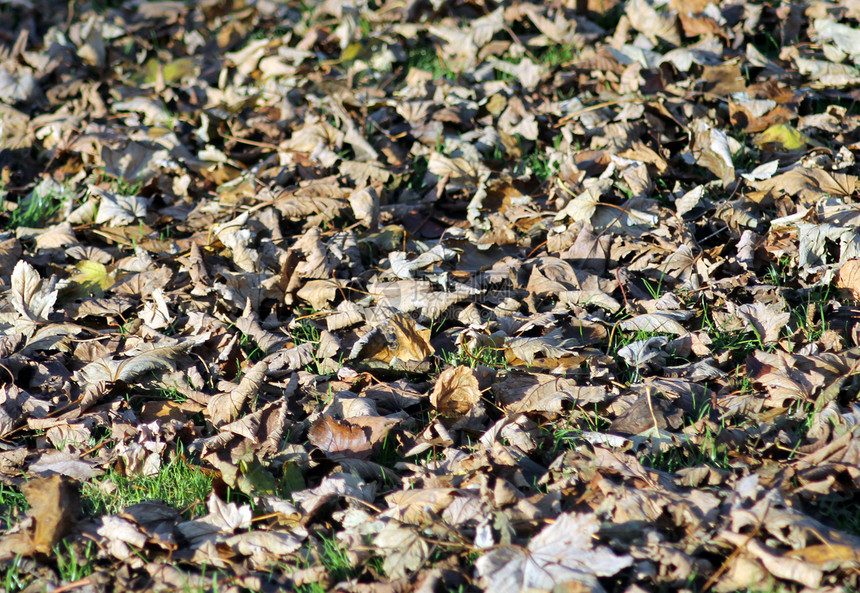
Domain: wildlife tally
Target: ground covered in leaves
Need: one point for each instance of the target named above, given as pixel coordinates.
(429, 296)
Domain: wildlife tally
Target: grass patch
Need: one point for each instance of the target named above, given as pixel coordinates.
(487, 356)
(483, 355)
(13, 505)
(708, 451)
(171, 393)
(740, 343)
(780, 272)
(539, 163)
(178, 484)
(746, 158)
(303, 331)
(75, 560)
(336, 560)
(124, 188)
(389, 453)
(562, 439)
(609, 19)
(841, 511)
(632, 374)
(17, 575)
(556, 55)
(102, 6)
(250, 348)
(767, 43)
(40, 205)
(809, 313)
(415, 180)
(423, 56)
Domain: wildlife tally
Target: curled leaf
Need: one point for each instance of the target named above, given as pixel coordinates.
(455, 392)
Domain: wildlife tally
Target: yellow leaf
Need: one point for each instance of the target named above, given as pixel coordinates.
(351, 52)
(179, 69)
(826, 553)
(172, 71)
(782, 138)
(92, 280)
(390, 238)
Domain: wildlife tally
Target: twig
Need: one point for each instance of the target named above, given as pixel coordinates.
(69, 586)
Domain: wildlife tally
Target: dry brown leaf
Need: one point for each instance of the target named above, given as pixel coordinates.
(849, 278)
(365, 206)
(767, 320)
(225, 407)
(710, 148)
(340, 438)
(54, 509)
(521, 392)
(225, 298)
(113, 369)
(780, 566)
(456, 391)
(319, 293)
(810, 184)
(419, 507)
(654, 25)
(662, 321)
(398, 337)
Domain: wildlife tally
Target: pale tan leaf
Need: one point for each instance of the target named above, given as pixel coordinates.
(32, 297)
(225, 407)
(117, 210)
(54, 509)
(156, 313)
(562, 552)
(710, 149)
(767, 320)
(525, 392)
(456, 391)
(265, 548)
(403, 550)
(365, 206)
(319, 293)
(849, 277)
(661, 321)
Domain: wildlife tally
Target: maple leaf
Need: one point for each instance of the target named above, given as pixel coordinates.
(561, 553)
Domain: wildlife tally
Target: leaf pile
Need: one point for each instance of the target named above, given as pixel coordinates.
(425, 296)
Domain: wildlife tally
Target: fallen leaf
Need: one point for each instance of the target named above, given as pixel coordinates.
(849, 278)
(112, 369)
(54, 509)
(456, 391)
(561, 553)
(398, 337)
(32, 297)
(782, 137)
(92, 280)
(403, 550)
(340, 438)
